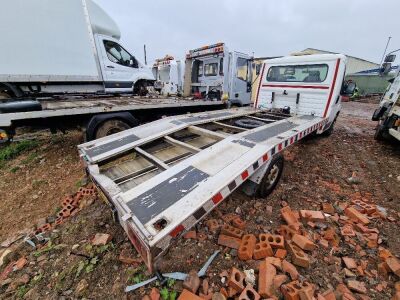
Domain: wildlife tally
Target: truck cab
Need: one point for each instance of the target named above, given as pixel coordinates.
(168, 73)
(213, 72)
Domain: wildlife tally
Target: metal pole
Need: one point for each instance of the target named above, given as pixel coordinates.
(145, 54)
(384, 52)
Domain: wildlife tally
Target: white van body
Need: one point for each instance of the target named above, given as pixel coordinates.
(309, 84)
(213, 72)
(168, 73)
(59, 47)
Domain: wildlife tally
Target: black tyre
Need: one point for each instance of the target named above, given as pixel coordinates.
(329, 131)
(110, 127)
(248, 123)
(379, 133)
(272, 176)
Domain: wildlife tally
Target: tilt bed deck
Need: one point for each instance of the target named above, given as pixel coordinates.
(163, 177)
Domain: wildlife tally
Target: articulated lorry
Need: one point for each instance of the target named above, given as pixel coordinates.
(164, 177)
(388, 113)
(169, 76)
(62, 65)
(215, 73)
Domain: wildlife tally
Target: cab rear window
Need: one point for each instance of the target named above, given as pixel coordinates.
(298, 73)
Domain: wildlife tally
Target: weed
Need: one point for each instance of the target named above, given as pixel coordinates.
(38, 182)
(31, 157)
(14, 169)
(88, 265)
(21, 291)
(167, 294)
(15, 149)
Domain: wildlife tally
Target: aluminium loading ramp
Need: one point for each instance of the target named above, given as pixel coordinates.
(164, 177)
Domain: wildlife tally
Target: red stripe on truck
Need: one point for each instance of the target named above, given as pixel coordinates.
(259, 85)
(332, 87)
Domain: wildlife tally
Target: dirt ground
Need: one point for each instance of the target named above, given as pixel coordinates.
(324, 169)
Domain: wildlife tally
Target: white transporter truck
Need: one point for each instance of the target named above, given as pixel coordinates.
(388, 113)
(62, 65)
(168, 73)
(213, 72)
(164, 177)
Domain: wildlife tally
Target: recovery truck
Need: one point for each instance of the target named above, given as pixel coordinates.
(169, 76)
(63, 66)
(163, 177)
(213, 72)
(388, 112)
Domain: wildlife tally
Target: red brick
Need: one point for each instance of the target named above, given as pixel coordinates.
(190, 235)
(290, 218)
(267, 272)
(347, 230)
(354, 214)
(229, 217)
(229, 241)
(394, 265)
(303, 242)
(357, 286)
(299, 257)
(212, 225)
(101, 239)
(232, 231)
(186, 295)
(329, 295)
(262, 250)
(237, 280)
(20, 263)
(291, 290)
(287, 232)
(239, 223)
(276, 262)
(281, 253)
(249, 294)
(279, 280)
(155, 294)
(290, 269)
(324, 243)
(312, 215)
(275, 241)
(307, 291)
(383, 269)
(247, 246)
(349, 262)
(328, 208)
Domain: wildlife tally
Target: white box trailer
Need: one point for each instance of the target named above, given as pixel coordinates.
(168, 73)
(63, 46)
(164, 177)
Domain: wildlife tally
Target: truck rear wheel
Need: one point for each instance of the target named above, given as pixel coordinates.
(110, 127)
(379, 132)
(272, 176)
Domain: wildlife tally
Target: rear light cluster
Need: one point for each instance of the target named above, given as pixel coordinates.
(210, 49)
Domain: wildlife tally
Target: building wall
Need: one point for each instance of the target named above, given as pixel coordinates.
(354, 64)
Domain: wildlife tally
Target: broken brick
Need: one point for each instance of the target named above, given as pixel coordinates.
(347, 230)
(276, 262)
(303, 242)
(187, 295)
(328, 208)
(349, 262)
(279, 280)
(262, 250)
(232, 231)
(394, 265)
(192, 282)
(212, 225)
(246, 248)
(312, 215)
(126, 258)
(281, 253)
(275, 241)
(20, 263)
(299, 257)
(307, 291)
(155, 294)
(190, 235)
(290, 218)
(329, 295)
(290, 269)
(354, 214)
(267, 273)
(249, 294)
(357, 286)
(101, 239)
(237, 280)
(324, 243)
(287, 232)
(239, 223)
(229, 241)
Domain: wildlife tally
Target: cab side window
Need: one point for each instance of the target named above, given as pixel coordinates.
(242, 69)
(119, 55)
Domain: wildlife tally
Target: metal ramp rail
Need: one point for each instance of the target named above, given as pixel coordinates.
(164, 177)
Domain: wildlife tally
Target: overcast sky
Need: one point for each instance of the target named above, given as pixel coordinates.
(266, 28)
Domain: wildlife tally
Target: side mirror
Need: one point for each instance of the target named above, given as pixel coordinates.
(390, 58)
(348, 88)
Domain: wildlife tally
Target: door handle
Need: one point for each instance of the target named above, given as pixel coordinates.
(111, 67)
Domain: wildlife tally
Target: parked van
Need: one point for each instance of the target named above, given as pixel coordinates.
(168, 73)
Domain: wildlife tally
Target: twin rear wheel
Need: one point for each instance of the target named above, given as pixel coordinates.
(110, 127)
